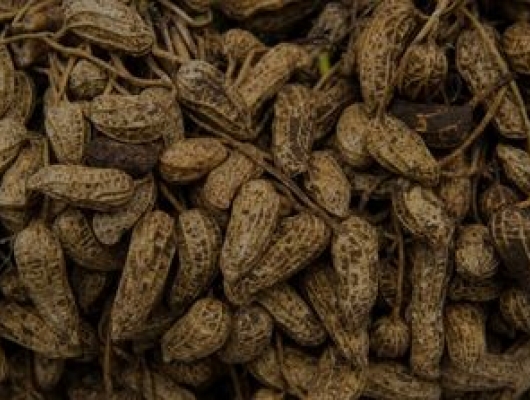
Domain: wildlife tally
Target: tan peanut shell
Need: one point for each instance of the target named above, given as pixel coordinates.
(154, 385)
(510, 231)
(475, 257)
(332, 23)
(80, 244)
(13, 188)
(421, 212)
(110, 24)
(299, 369)
(336, 379)
(465, 334)
(67, 130)
(382, 42)
(456, 192)
(195, 374)
(7, 80)
(173, 127)
(424, 70)
(237, 43)
(389, 381)
(190, 159)
(301, 239)
(109, 227)
(254, 217)
(429, 282)
(319, 284)
(491, 372)
(496, 197)
(222, 217)
(516, 46)
(153, 245)
(350, 137)
(250, 334)
(203, 330)
(514, 305)
(41, 265)
(199, 245)
(516, 165)
(224, 181)
(354, 251)
(326, 182)
(479, 67)
(293, 129)
(266, 369)
(24, 97)
(390, 337)
(401, 150)
(24, 325)
(293, 315)
(202, 92)
(100, 189)
(129, 118)
(86, 80)
(270, 73)
(12, 136)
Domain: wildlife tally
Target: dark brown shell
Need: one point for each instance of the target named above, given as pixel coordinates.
(135, 159)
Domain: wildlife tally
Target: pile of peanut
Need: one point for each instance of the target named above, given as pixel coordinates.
(264, 199)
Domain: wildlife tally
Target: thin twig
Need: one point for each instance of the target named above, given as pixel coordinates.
(235, 382)
(284, 180)
(504, 69)
(195, 23)
(107, 368)
(46, 37)
(166, 192)
(479, 129)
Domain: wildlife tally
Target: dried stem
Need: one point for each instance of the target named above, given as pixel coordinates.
(7, 15)
(365, 197)
(279, 349)
(64, 78)
(280, 176)
(504, 69)
(47, 38)
(326, 77)
(235, 383)
(479, 129)
(477, 160)
(21, 11)
(195, 23)
(107, 367)
(175, 203)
